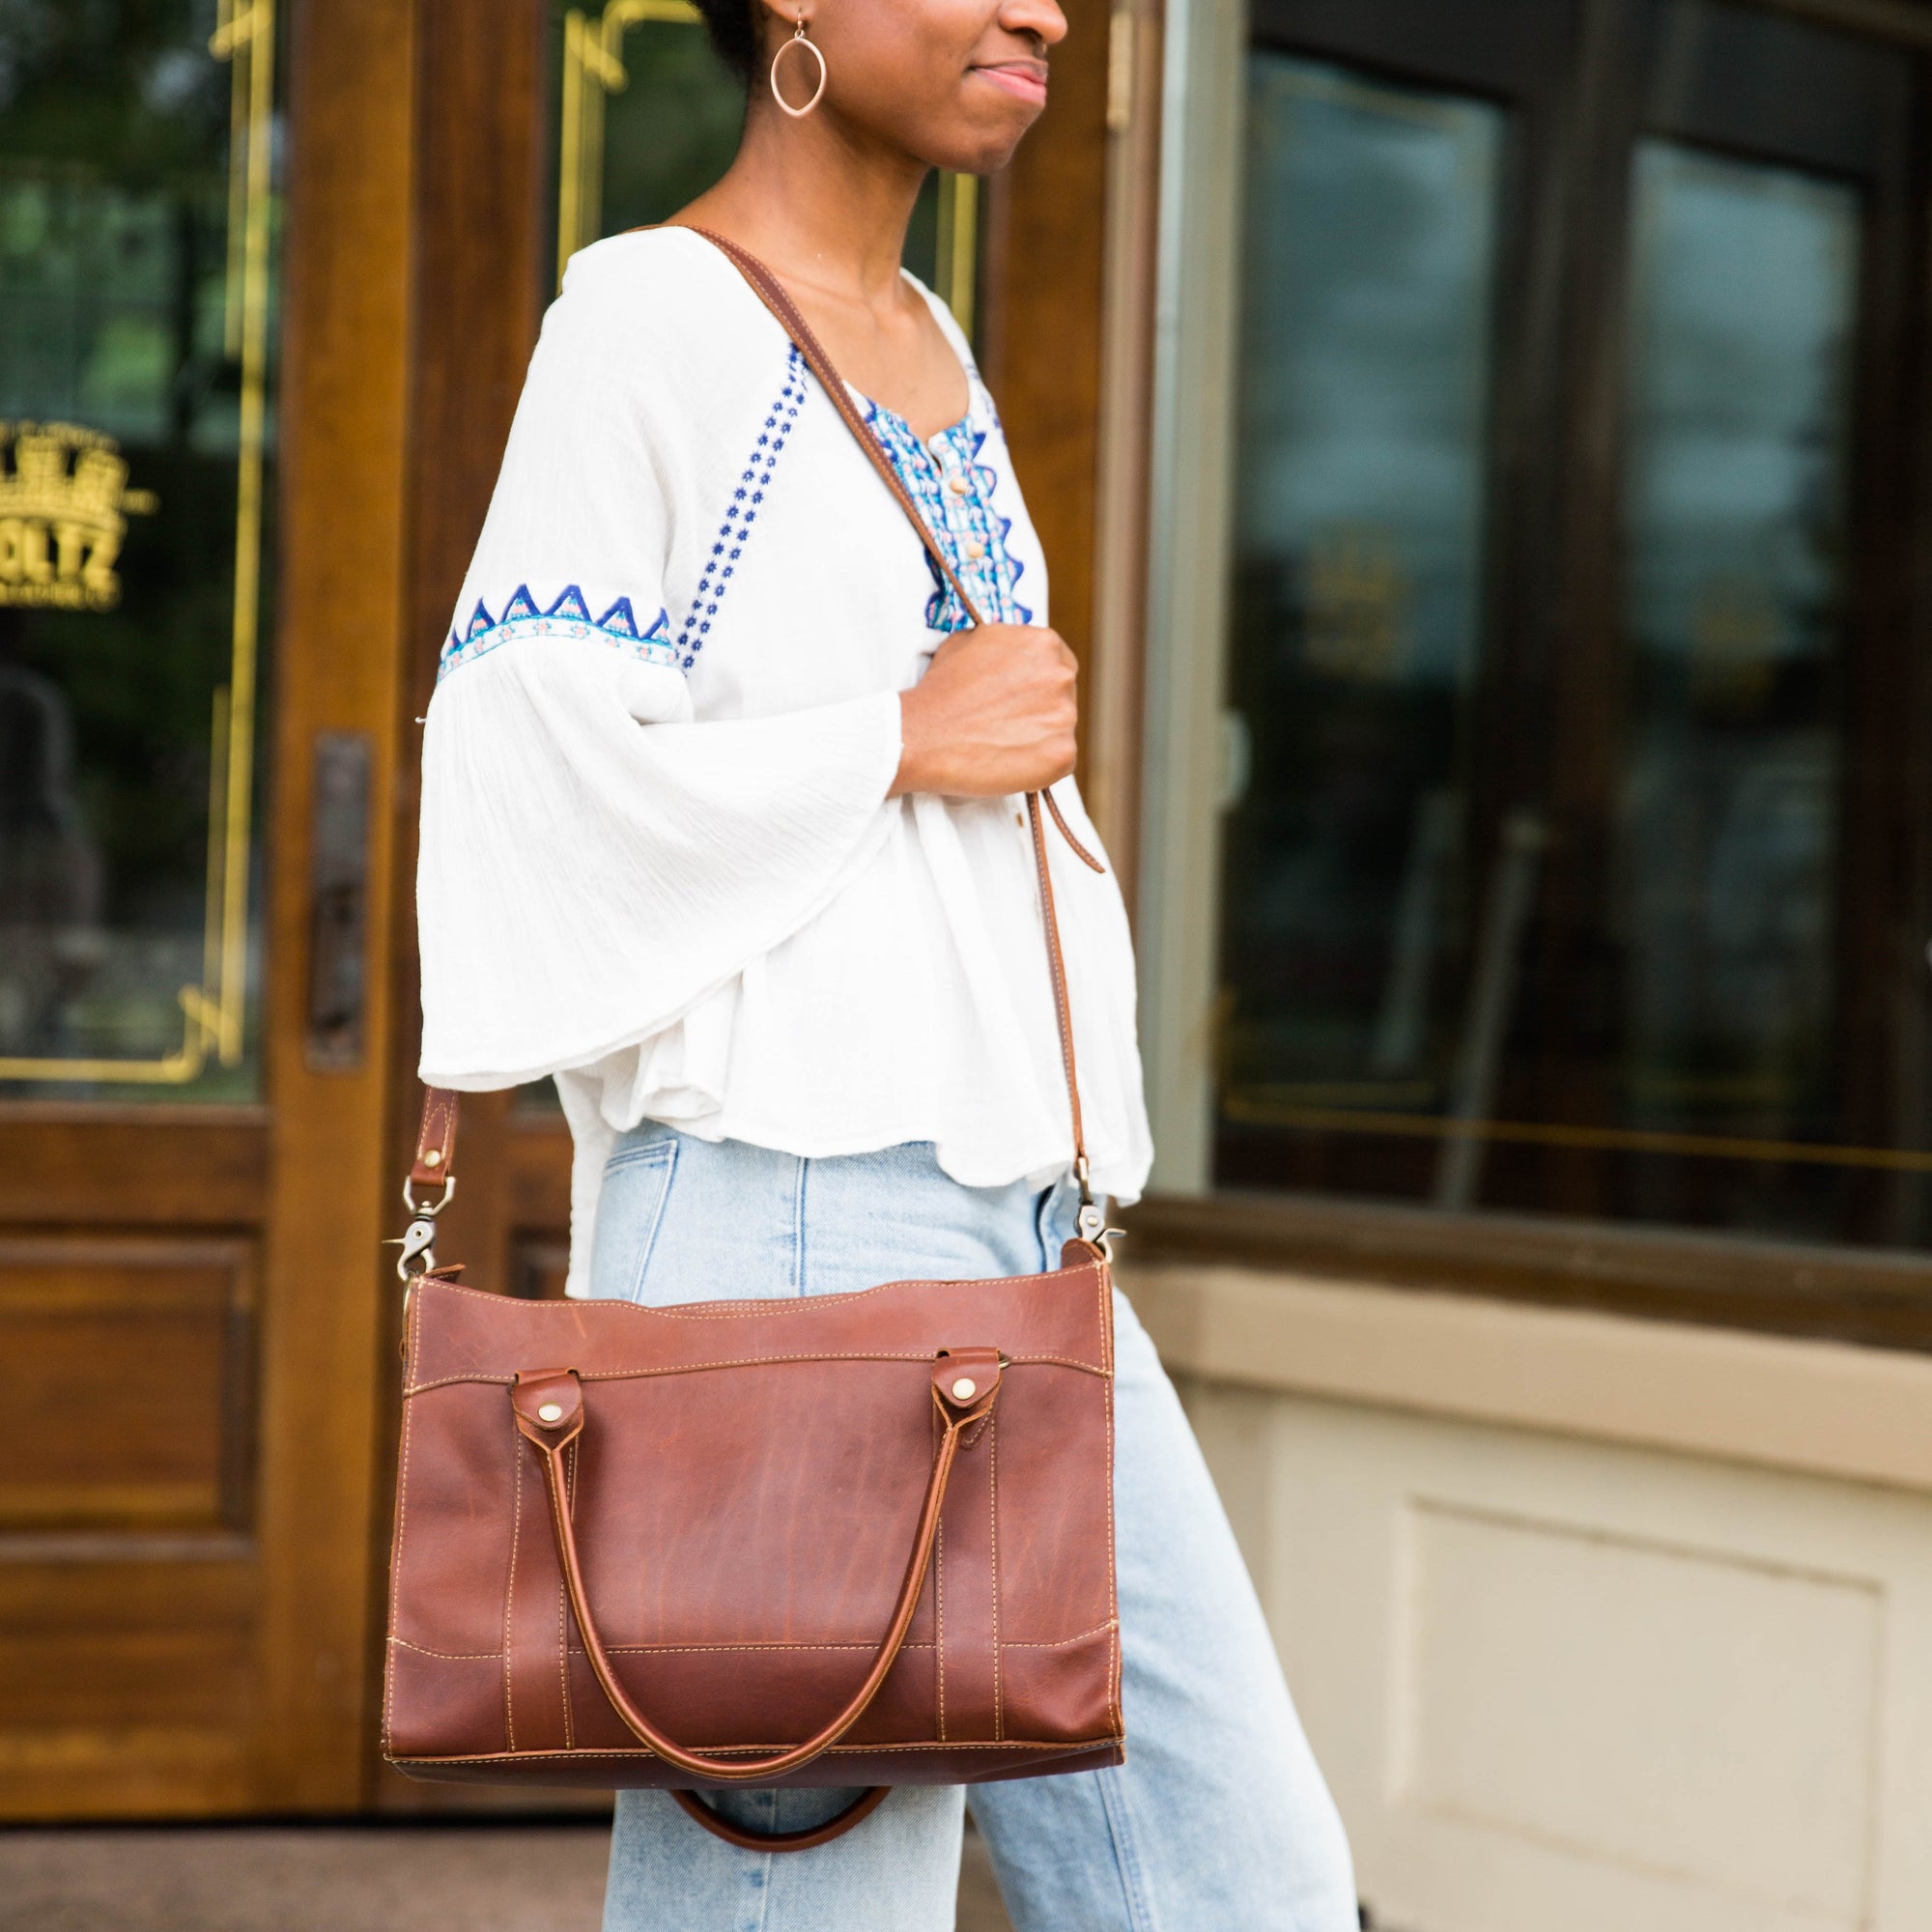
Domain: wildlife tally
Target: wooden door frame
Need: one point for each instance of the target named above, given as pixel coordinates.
(340, 652)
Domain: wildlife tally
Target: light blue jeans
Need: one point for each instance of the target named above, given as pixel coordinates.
(1219, 1821)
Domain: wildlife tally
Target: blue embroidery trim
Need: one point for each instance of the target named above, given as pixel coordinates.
(730, 544)
(962, 518)
(568, 617)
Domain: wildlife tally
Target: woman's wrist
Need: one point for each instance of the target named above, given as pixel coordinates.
(912, 775)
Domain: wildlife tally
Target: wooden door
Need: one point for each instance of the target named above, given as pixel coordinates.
(204, 291)
(265, 299)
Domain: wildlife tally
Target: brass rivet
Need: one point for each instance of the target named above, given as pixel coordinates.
(550, 1411)
(434, 1157)
(965, 1389)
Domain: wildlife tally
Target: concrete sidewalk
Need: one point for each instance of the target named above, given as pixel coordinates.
(485, 1877)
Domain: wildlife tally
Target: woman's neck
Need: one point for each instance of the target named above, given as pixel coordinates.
(825, 208)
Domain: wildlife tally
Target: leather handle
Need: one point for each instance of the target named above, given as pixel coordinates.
(548, 1404)
(857, 1812)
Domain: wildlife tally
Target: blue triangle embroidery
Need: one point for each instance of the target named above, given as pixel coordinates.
(480, 620)
(520, 605)
(620, 621)
(569, 604)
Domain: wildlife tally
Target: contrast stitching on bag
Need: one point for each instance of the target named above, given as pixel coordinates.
(1056, 1746)
(939, 1618)
(1055, 1642)
(510, 1595)
(705, 1649)
(563, 1604)
(449, 1655)
(715, 1311)
(485, 1380)
(396, 1554)
(1113, 1584)
(993, 1512)
(729, 546)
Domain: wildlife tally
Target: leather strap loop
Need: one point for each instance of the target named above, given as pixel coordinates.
(436, 1139)
(857, 1812)
(547, 1406)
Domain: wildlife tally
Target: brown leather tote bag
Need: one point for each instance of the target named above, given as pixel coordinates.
(858, 1540)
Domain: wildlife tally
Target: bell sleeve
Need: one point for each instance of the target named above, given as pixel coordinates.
(593, 861)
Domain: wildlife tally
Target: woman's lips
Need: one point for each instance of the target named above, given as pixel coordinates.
(1025, 79)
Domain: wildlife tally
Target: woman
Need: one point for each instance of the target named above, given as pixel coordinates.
(721, 829)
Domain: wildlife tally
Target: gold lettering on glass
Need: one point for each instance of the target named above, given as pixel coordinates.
(64, 510)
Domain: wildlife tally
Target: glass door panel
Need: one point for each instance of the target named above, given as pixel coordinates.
(1578, 865)
(1743, 299)
(1358, 606)
(137, 222)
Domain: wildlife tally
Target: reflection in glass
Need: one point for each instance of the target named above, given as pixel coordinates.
(1357, 610)
(133, 333)
(1742, 311)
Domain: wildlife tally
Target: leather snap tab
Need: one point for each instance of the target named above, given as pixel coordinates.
(965, 1381)
(548, 1404)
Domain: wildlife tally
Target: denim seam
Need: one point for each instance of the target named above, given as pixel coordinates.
(1126, 1856)
(632, 1156)
(660, 1154)
(798, 1227)
(760, 1875)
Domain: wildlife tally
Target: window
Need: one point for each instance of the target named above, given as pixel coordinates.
(138, 223)
(1566, 802)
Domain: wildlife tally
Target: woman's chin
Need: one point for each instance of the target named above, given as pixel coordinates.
(982, 146)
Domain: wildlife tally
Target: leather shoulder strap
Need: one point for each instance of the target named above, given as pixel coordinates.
(778, 298)
(775, 295)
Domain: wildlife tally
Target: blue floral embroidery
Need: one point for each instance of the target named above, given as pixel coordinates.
(568, 617)
(954, 494)
(730, 544)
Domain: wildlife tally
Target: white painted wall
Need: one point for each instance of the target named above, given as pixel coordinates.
(1597, 1676)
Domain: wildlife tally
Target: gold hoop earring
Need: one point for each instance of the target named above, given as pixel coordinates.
(798, 39)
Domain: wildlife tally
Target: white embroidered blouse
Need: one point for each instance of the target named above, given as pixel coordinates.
(658, 858)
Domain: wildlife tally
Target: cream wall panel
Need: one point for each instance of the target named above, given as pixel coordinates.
(1527, 1655)
(1562, 1686)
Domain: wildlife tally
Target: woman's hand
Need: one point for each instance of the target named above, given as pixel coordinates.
(995, 713)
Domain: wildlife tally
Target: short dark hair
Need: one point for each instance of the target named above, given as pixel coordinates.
(733, 30)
